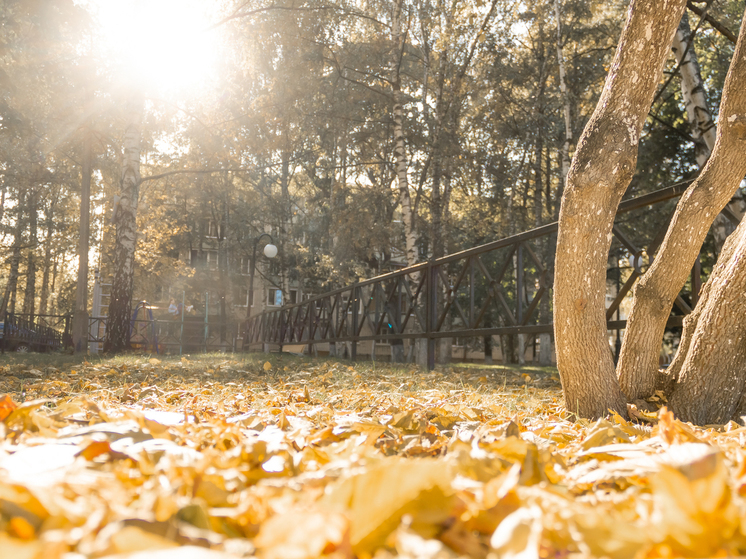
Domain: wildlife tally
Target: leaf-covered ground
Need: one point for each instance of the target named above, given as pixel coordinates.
(218, 457)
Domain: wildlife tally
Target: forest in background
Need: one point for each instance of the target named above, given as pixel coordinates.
(317, 121)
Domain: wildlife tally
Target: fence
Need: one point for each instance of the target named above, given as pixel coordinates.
(53, 332)
(492, 289)
(20, 332)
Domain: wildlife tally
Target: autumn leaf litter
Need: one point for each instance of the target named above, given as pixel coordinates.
(217, 457)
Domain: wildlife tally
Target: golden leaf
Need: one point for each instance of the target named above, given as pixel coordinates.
(304, 535)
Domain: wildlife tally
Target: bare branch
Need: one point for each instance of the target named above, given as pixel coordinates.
(716, 25)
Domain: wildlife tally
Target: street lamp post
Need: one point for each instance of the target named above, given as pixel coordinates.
(270, 251)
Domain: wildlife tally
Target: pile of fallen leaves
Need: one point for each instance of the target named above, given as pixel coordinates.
(214, 457)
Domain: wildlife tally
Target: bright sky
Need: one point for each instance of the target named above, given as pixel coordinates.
(164, 44)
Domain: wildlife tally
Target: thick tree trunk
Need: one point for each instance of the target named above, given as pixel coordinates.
(656, 291)
(712, 359)
(117, 325)
(601, 170)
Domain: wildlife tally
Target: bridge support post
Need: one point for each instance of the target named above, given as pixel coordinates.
(431, 314)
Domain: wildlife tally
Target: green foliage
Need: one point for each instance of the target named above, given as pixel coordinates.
(296, 137)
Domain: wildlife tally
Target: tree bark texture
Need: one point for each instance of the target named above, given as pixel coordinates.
(601, 170)
(118, 322)
(655, 292)
(712, 375)
(700, 118)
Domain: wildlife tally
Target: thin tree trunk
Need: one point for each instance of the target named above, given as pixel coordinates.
(80, 316)
(44, 297)
(117, 327)
(29, 295)
(703, 130)
(656, 291)
(565, 152)
(601, 171)
(9, 298)
(400, 150)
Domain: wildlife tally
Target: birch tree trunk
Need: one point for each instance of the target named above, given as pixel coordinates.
(698, 113)
(29, 294)
(118, 322)
(601, 170)
(655, 292)
(400, 150)
(44, 297)
(80, 316)
(565, 154)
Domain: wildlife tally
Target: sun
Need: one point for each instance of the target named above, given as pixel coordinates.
(167, 45)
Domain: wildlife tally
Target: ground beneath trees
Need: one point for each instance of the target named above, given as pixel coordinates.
(211, 456)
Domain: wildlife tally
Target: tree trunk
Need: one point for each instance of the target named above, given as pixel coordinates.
(601, 170)
(9, 298)
(400, 150)
(118, 322)
(29, 295)
(700, 119)
(565, 154)
(698, 114)
(712, 375)
(44, 297)
(657, 289)
(80, 316)
(545, 340)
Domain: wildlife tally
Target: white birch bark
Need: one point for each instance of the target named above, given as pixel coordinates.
(400, 150)
(565, 156)
(693, 91)
(117, 325)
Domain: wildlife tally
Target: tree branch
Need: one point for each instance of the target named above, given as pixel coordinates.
(238, 14)
(716, 25)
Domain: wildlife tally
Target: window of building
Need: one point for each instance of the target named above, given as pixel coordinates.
(243, 297)
(274, 297)
(244, 265)
(292, 296)
(212, 259)
(214, 230)
(274, 267)
(196, 259)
